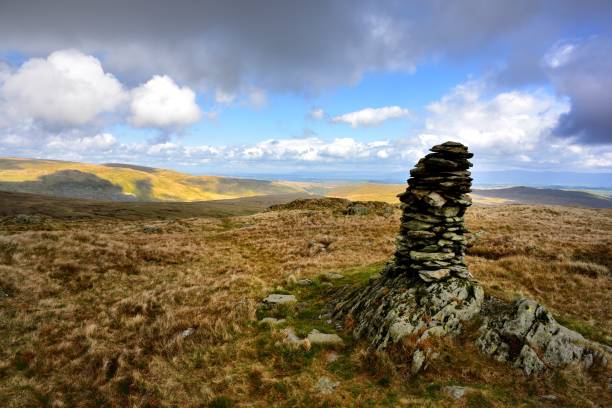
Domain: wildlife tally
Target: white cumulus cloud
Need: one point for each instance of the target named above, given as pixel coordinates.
(66, 88)
(162, 103)
(371, 116)
(514, 122)
(99, 142)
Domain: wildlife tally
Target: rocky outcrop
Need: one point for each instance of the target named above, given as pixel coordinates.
(526, 335)
(394, 308)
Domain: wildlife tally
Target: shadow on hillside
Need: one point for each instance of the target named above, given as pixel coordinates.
(228, 185)
(144, 190)
(78, 184)
(9, 165)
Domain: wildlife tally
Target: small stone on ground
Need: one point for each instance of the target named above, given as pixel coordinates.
(454, 391)
(333, 275)
(278, 299)
(316, 337)
(326, 386)
(332, 356)
(271, 321)
(187, 332)
(293, 340)
(304, 282)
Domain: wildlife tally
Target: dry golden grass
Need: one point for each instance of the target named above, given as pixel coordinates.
(559, 256)
(91, 312)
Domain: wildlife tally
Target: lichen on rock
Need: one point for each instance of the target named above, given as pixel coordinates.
(394, 308)
(526, 335)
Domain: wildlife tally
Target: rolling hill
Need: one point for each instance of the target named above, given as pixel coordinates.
(530, 195)
(123, 182)
(511, 195)
(127, 182)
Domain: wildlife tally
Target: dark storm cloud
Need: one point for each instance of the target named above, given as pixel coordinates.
(582, 71)
(279, 44)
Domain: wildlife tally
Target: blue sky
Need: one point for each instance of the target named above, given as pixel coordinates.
(335, 89)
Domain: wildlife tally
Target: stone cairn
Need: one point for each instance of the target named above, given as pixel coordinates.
(430, 243)
(426, 289)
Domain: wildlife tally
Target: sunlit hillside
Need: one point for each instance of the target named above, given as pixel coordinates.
(120, 182)
(125, 182)
(368, 192)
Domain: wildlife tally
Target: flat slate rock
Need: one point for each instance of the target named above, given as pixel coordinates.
(293, 340)
(278, 299)
(304, 282)
(455, 391)
(271, 321)
(430, 276)
(316, 337)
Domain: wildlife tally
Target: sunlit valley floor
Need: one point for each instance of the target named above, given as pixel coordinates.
(150, 312)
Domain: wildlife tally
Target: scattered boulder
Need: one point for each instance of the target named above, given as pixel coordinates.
(293, 340)
(322, 244)
(454, 391)
(152, 229)
(279, 299)
(316, 337)
(304, 282)
(418, 359)
(28, 219)
(333, 276)
(271, 321)
(326, 386)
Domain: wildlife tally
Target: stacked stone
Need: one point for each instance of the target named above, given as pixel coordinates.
(431, 243)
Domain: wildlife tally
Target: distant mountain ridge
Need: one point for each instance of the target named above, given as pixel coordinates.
(530, 195)
(510, 195)
(126, 182)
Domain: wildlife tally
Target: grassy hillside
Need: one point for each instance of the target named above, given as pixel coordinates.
(118, 182)
(368, 192)
(116, 312)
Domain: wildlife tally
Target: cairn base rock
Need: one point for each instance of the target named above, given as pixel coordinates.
(393, 308)
(527, 336)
